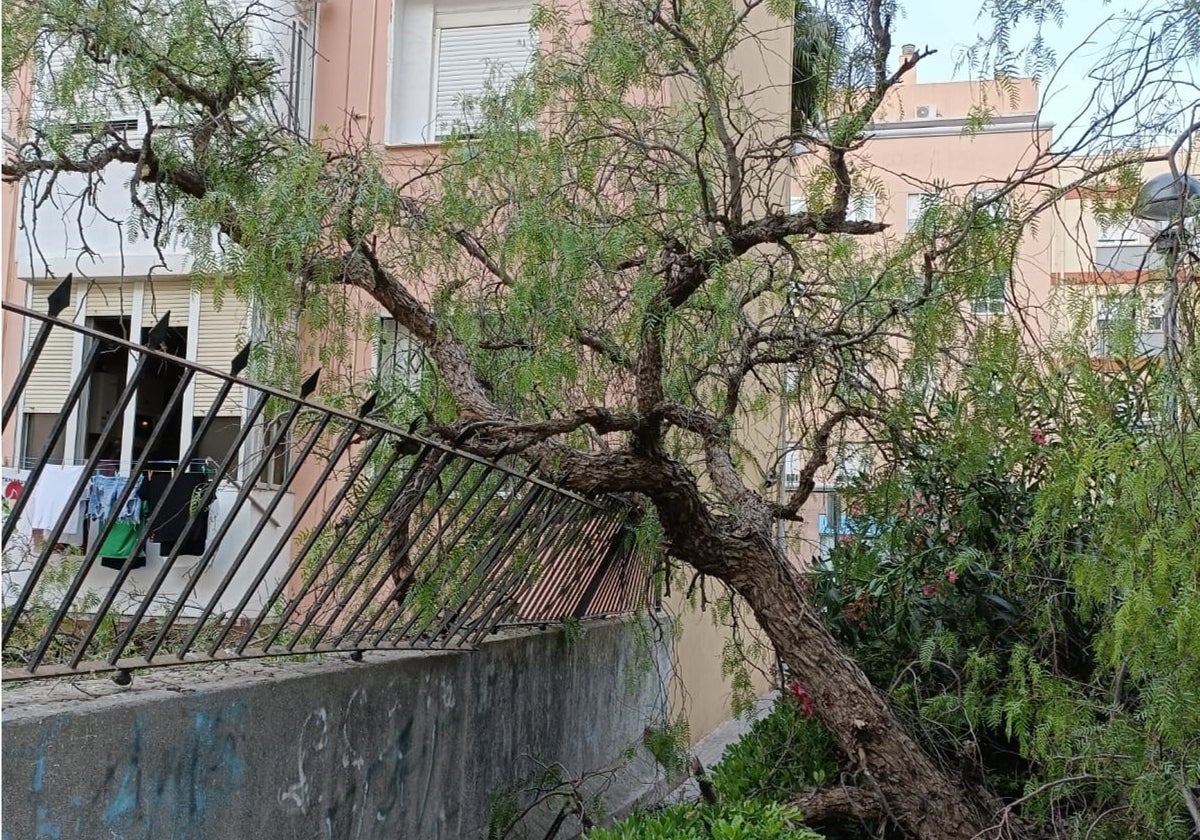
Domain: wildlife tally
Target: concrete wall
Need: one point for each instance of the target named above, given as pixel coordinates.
(399, 746)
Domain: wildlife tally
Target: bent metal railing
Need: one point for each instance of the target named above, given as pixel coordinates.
(284, 527)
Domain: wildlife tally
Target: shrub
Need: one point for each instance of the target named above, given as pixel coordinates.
(782, 753)
(748, 819)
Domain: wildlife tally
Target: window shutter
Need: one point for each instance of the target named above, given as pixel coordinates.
(470, 59)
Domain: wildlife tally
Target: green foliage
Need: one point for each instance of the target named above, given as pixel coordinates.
(572, 631)
(1024, 580)
(504, 808)
(783, 752)
(742, 820)
(668, 744)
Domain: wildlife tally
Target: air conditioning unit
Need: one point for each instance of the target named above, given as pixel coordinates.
(927, 112)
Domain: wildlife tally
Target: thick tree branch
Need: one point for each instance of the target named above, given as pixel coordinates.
(839, 803)
(819, 457)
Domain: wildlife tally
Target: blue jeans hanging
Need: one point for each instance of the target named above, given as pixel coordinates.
(102, 498)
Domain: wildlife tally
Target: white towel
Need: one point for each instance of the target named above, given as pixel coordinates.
(48, 500)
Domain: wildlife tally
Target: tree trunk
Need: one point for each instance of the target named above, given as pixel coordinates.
(922, 798)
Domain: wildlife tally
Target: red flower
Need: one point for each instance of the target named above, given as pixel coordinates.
(952, 576)
(846, 539)
(807, 707)
(1037, 436)
(931, 590)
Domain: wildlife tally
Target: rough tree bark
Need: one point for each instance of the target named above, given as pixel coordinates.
(921, 797)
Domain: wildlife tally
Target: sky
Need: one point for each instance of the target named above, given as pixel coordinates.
(1081, 44)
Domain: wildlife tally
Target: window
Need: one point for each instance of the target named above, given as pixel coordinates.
(997, 210)
(992, 301)
(791, 468)
(279, 459)
(791, 378)
(915, 206)
(398, 360)
(854, 461)
(1154, 315)
(37, 428)
(1116, 233)
(446, 53)
(301, 61)
(862, 208)
(1110, 310)
(470, 60)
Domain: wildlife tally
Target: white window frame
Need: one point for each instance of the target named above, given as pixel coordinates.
(995, 303)
(413, 359)
(1108, 311)
(791, 467)
(301, 78)
(854, 459)
(996, 211)
(1115, 234)
(1153, 315)
(861, 208)
(920, 202)
(791, 378)
(412, 78)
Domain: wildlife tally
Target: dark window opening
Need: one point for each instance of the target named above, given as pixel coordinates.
(158, 382)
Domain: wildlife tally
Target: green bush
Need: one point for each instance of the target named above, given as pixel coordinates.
(782, 753)
(742, 820)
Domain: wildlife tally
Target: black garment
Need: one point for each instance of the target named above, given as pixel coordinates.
(167, 528)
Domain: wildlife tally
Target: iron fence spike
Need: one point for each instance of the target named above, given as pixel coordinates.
(58, 299)
(158, 333)
(310, 384)
(240, 360)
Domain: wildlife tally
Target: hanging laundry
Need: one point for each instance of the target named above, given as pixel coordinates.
(170, 526)
(48, 500)
(106, 490)
(119, 544)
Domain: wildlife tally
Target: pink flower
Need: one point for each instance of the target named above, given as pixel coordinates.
(952, 576)
(1037, 436)
(846, 539)
(807, 707)
(930, 590)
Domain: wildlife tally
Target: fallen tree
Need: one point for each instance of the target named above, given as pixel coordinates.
(604, 271)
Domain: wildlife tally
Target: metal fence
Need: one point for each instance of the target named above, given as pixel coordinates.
(283, 527)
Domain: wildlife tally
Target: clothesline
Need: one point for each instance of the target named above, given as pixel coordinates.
(31, 462)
